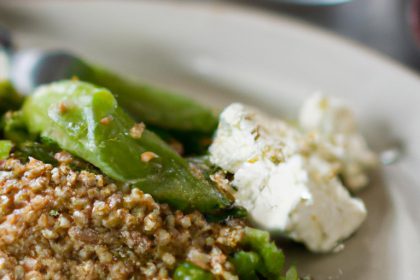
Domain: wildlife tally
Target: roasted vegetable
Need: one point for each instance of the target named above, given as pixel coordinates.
(5, 148)
(155, 106)
(188, 271)
(144, 103)
(291, 274)
(263, 258)
(9, 98)
(192, 143)
(87, 121)
(41, 151)
(14, 128)
(247, 264)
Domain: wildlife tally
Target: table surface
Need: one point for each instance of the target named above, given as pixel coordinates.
(380, 24)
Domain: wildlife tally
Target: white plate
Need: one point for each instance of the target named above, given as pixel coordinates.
(220, 53)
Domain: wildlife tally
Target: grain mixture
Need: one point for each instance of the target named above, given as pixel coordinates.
(58, 223)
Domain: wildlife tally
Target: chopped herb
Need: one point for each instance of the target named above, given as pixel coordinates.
(54, 213)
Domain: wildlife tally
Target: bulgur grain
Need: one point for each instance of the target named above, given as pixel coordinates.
(57, 223)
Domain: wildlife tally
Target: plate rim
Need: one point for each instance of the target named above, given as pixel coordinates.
(252, 11)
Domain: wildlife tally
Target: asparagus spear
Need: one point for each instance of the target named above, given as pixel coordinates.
(87, 121)
(144, 103)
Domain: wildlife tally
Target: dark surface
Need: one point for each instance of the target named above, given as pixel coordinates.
(380, 24)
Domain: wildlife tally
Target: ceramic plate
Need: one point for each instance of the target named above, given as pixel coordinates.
(219, 53)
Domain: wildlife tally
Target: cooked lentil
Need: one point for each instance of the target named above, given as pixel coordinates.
(57, 223)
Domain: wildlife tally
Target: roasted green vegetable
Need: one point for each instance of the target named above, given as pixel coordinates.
(155, 106)
(247, 265)
(263, 259)
(188, 271)
(291, 274)
(193, 143)
(5, 148)
(87, 121)
(144, 103)
(41, 151)
(9, 98)
(14, 128)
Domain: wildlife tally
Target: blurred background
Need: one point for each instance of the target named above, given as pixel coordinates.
(390, 26)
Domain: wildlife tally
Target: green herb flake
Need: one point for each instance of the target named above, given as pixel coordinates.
(54, 213)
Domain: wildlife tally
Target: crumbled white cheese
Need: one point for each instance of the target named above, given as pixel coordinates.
(333, 126)
(330, 215)
(283, 183)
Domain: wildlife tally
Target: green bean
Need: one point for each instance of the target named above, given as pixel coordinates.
(145, 103)
(156, 106)
(87, 121)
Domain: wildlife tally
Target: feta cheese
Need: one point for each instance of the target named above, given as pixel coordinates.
(333, 126)
(284, 184)
(330, 215)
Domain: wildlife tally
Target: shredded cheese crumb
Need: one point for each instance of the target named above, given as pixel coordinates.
(137, 130)
(106, 120)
